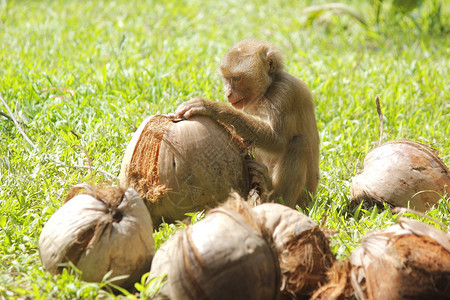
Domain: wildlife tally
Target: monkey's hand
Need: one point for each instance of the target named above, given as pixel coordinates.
(196, 106)
(260, 182)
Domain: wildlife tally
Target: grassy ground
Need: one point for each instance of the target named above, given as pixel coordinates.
(88, 72)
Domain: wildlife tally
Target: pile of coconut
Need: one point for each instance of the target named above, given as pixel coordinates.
(245, 248)
(269, 251)
(172, 167)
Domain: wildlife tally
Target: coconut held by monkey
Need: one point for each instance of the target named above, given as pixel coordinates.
(101, 231)
(236, 252)
(181, 166)
(402, 173)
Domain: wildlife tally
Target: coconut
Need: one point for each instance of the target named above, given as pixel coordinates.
(410, 260)
(303, 250)
(216, 257)
(160, 269)
(101, 231)
(338, 285)
(223, 256)
(400, 173)
(180, 166)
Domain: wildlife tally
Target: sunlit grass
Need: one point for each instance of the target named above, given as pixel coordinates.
(88, 72)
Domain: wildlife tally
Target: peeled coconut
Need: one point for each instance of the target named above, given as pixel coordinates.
(180, 166)
(224, 256)
(410, 260)
(402, 172)
(304, 252)
(101, 230)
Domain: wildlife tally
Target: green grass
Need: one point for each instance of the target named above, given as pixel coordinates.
(124, 60)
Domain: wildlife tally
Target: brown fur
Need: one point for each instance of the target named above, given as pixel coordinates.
(274, 111)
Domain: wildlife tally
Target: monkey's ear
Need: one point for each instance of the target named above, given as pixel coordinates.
(272, 61)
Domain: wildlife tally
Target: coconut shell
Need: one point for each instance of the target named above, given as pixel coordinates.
(404, 261)
(402, 172)
(219, 257)
(303, 250)
(410, 260)
(160, 269)
(100, 231)
(184, 166)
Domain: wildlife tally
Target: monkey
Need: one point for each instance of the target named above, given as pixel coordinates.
(272, 110)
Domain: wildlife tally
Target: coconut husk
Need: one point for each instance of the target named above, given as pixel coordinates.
(303, 250)
(404, 261)
(223, 256)
(410, 260)
(143, 171)
(160, 269)
(338, 286)
(183, 166)
(99, 230)
(400, 173)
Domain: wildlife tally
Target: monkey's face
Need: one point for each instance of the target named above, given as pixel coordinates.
(245, 80)
(243, 90)
(234, 90)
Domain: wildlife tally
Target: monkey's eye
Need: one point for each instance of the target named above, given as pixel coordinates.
(236, 78)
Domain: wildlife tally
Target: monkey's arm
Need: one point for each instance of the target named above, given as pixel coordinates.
(251, 128)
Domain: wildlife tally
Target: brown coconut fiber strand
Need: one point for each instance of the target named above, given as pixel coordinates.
(236, 203)
(304, 262)
(143, 170)
(304, 259)
(259, 192)
(405, 266)
(339, 285)
(242, 144)
(422, 271)
(79, 247)
(112, 197)
(191, 255)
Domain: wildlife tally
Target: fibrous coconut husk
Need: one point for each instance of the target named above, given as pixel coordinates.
(217, 257)
(160, 269)
(100, 230)
(410, 260)
(338, 285)
(222, 256)
(183, 166)
(402, 172)
(303, 250)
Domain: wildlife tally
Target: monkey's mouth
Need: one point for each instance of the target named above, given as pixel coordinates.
(238, 103)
